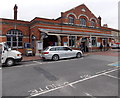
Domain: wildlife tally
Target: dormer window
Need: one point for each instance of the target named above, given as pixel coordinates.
(71, 20)
(82, 22)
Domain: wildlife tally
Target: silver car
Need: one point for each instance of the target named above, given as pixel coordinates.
(59, 52)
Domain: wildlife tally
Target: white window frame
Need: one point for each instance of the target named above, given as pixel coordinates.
(17, 34)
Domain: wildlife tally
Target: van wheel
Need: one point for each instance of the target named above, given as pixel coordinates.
(78, 55)
(10, 62)
(55, 57)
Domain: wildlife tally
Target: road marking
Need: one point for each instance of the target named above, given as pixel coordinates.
(37, 62)
(0, 68)
(111, 76)
(94, 76)
(87, 94)
(20, 66)
(72, 86)
(115, 64)
(72, 83)
(104, 71)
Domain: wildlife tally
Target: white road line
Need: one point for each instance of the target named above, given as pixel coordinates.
(0, 68)
(37, 62)
(72, 83)
(20, 66)
(92, 77)
(72, 86)
(111, 76)
(25, 65)
(100, 72)
(87, 94)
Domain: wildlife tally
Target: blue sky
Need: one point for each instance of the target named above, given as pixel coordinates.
(51, 9)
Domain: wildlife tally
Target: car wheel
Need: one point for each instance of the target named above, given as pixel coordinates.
(55, 57)
(78, 55)
(10, 62)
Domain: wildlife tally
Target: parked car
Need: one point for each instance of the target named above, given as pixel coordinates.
(116, 46)
(59, 52)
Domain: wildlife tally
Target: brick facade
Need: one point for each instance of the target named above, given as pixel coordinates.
(60, 28)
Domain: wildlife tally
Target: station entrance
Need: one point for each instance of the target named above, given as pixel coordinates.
(51, 40)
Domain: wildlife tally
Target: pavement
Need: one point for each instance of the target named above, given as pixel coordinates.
(112, 52)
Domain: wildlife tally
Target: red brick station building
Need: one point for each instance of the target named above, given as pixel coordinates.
(75, 26)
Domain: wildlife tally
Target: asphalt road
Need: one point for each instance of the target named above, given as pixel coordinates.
(92, 75)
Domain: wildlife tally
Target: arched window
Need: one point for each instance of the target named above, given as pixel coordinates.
(14, 38)
(82, 22)
(93, 23)
(71, 20)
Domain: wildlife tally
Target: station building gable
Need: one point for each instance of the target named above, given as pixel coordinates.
(80, 16)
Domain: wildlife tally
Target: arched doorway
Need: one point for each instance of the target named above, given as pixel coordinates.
(51, 40)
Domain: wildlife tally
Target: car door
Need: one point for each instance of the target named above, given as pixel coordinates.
(68, 52)
(61, 52)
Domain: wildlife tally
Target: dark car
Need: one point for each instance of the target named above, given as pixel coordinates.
(116, 46)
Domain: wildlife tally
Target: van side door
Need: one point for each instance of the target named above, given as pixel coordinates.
(4, 54)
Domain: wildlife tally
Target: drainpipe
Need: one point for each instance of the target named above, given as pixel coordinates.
(29, 33)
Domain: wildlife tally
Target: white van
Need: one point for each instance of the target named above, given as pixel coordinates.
(9, 57)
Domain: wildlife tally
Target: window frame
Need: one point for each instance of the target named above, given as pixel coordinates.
(15, 38)
(71, 20)
(83, 22)
(92, 23)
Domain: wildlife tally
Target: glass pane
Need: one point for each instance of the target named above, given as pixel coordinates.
(14, 38)
(83, 22)
(71, 20)
(8, 38)
(9, 44)
(92, 23)
(72, 41)
(52, 49)
(94, 41)
(14, 44)
(20, 39)
(19, 43)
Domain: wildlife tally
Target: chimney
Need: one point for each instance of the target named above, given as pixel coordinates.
(99, 18)
(15, 12)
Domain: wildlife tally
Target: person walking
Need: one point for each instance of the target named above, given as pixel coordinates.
(81, 47)
(101, 47)
(108, 46)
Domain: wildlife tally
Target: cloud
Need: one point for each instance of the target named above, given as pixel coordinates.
(29, 9)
